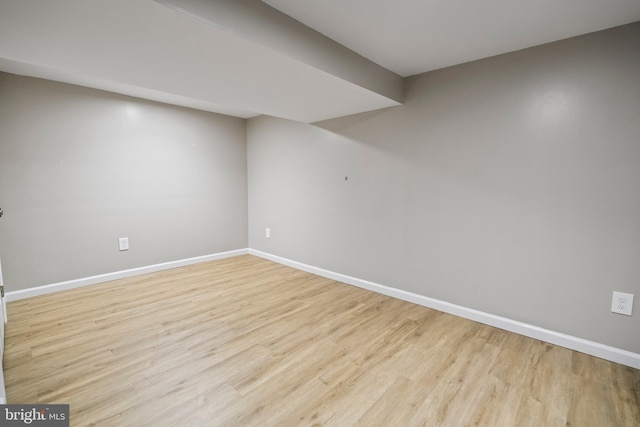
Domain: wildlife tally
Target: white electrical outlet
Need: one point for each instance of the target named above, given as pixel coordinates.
(123, 243)
(622, 303)
(267, 233)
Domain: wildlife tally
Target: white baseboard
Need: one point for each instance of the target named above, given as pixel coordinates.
(593, 348)
(86, 281)
(602, 351)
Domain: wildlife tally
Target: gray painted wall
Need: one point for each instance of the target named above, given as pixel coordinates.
(509, 185)
(80, 168)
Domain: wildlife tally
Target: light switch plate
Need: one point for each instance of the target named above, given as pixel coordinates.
(123, 243)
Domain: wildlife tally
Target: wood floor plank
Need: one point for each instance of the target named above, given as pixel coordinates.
(248, 342)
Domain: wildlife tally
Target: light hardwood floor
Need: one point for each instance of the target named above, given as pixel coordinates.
(244, 341)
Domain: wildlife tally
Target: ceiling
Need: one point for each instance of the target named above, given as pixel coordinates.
(413, 36)
(302, 60)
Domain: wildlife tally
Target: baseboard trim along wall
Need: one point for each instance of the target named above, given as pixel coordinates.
(592, 348)
(86, 281)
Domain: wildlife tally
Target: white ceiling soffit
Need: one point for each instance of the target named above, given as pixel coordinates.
(142, 48)
(415, 36)
(260, 23)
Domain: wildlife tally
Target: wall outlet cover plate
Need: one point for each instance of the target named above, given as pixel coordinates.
(622, 303)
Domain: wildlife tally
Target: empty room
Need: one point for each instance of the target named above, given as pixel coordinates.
(335, 213)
